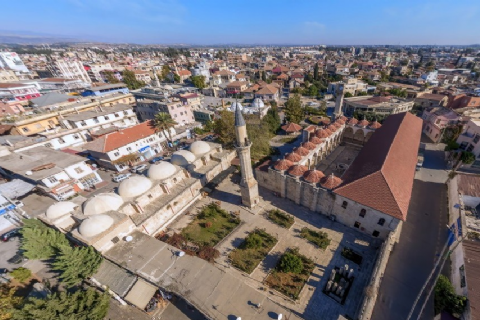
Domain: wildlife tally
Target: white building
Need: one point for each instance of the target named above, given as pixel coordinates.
(70, 69)
(11, 60)
(59, 174)
(469, 139)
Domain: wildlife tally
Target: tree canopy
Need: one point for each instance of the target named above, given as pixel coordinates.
(40, 241)
(294, 111)
(163, 122)
(165, 72)
(131, 81)
(198, 81)
(446, 298)
(80, 305)
(224, 127)
(110, 77)
(76, 264)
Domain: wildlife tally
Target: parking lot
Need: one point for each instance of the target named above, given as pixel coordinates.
(7, 250)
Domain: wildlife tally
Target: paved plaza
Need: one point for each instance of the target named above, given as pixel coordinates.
(312, 303)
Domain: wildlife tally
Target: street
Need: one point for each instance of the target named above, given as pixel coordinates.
(423, 236)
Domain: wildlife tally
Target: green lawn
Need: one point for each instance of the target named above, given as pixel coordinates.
(281, 218)
(289, 283)
(210, 226)
(252, 251)
(318, 238)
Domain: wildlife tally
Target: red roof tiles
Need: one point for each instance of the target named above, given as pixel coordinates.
(315, 140)
(294, 157)
(313, 176)
(375, 125)
(330, 182)
(115, 140)
(352, 121)
(322, 133)
(291, 127)
(363, 123)
(297, 170)
(301, 151)
(332, 128)
(283, 164)
(381, 176)
(308, 145)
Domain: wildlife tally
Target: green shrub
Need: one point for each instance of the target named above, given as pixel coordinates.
(21, 274)
(291, 262)
(318, 238)
(253, 241)
(281, 218)
(446, 299)
(467, 157)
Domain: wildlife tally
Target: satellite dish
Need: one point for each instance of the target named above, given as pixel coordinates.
(280, 316)
(29, 173)
(128, 238)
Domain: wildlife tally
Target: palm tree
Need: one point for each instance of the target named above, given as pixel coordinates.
(163, 122)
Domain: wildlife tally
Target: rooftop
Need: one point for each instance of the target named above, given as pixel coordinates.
(92, 114)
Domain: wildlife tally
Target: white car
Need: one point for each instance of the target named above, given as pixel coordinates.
(18, 203)
(121, 177)
(139, 168)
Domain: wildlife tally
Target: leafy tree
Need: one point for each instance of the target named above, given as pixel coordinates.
(348, 95)
(165, 72)
(76, 264)
(446, 298)
(80, 305)
(40, 241)
(260, 140)
(176, 78)
(264, 76)
(293, 109)
(272, 120)
(8, 302)
(398, 92)
(163, 122)
(362, 93)
(224, 127)
(110, 77)
(199, 81)
(312, 90)
(467, 157)
(21, 274)
(131, 81)
(291, 262)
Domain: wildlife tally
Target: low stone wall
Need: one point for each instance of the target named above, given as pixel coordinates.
(371, 291)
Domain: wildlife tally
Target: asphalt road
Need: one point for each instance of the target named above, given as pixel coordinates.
(7, 250)
(423, 236)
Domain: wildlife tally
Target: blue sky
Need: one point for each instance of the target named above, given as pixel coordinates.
(250, 21)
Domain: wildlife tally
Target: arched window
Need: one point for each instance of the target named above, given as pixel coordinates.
(381, 221)
(363, 212)
(344, 204)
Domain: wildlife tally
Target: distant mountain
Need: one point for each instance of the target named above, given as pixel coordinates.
(27, 37)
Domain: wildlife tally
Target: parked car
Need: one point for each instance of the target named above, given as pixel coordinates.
(18, 203)
(121, 177)
(156, 159)
(139, 168)
(17, 258)
(8, 236)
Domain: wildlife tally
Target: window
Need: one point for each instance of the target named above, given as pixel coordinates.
(381, 221)
(78, 170)
(106, 118)
(375, 233)
(25, 129)
(52, 179)
(83, 123)
(48, 145)
(116, 154)
(96, 120)
(75, 136)
(125, 113)
(129, 149)
(344, 204)
(477, 137)
(362, 213)
(60, 140)
(117, 115)
(357, 224)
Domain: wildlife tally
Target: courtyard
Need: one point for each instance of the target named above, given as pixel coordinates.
(339, 160)
(311, 302)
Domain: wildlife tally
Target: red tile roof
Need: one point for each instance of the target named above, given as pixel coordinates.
(294, 157)
(310, 128)
(315, 140)
(375, 125)
(291, 127)
(322, 133)
(332, 128)
(330, 182)
(283, 164)
(363, 123)
(301, 151)
(352, 121)
(472, 273)
(381, 176)
(313, 176)
(309, 145)
(297, 170)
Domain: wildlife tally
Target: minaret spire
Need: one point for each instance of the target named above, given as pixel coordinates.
(248, 184)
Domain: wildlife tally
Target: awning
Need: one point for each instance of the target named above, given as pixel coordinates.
(140, 294)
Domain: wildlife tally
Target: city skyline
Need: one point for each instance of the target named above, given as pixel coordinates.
(249, 22)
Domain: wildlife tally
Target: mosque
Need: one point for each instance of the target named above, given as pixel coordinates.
(146, 203)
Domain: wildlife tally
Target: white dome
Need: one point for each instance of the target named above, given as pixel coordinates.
(95, 225)
(199, 148)
(168, 87)
(234, 105)
(102, 203)
(258, 103)
(59, 209)
(161, 170)
(134, 186)
(182, 158)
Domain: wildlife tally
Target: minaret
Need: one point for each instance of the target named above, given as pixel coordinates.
(248, 184)
(156, 82)
(338, 101)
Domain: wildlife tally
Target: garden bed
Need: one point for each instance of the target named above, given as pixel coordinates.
(290, 274)
(352, 255)
(252, 251)
(210, 226)
(318, 238)
(281, 218)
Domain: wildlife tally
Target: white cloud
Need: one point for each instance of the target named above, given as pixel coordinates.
(313, 25)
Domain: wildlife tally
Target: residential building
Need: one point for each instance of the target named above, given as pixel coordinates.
(8, 76)
(10, 109)
(376, 104)
(435, 120)
(469, 138)
(351, 85)
(430, 100)
(268, 92)
(94, 70)
(18, 92)
(11, 60)
(117, 150)
(223, 76)
(70, 69)
(120, 115)
(235, 88)
(146, 109)
(461, 101)
(203, 115)
(62, 85)
(106, 89)
(143, 76)
(59, 174)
